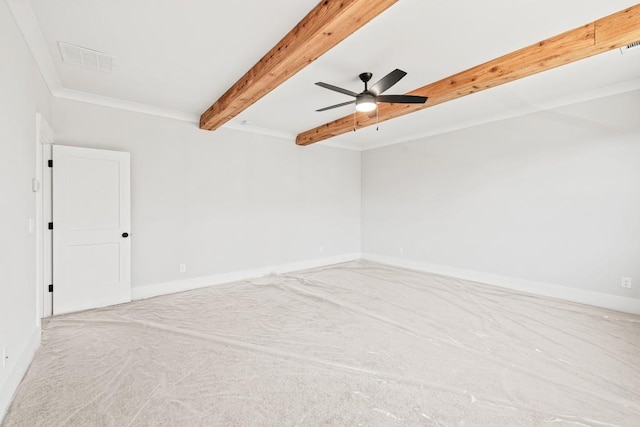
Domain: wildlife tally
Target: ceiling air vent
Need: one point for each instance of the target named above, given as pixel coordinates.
(77, 55)
(635, 46)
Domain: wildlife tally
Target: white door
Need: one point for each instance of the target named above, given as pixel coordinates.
(91, 226)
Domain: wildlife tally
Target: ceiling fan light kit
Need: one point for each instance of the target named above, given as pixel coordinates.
(367, 100)
(366, 103)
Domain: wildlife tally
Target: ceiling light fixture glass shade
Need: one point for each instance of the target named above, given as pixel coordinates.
(366, 103)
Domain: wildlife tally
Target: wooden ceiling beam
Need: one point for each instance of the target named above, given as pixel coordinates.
(605, 34)
(329, 23)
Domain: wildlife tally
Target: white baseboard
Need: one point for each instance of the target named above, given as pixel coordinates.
(142, 292)
(9, 388)
(597, 299)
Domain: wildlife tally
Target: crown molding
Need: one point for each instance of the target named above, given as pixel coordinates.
(245, 127)
(591, 95)
(117, 103)
(121, 104)
(290, 136)
(105, 101)
(28, 24)
(26, 20)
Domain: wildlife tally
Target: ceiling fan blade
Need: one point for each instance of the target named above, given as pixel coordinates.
(337, 89)
(402, 99)
(337, 105)
(387, 81)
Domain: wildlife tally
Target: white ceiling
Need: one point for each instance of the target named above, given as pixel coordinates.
(183, 55)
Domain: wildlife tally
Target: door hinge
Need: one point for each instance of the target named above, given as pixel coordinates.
(50, 226)
(50, 288)
(50, 163)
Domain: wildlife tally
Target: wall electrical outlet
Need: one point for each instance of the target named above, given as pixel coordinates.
(625, 282)
(183, 268)
(401, 251)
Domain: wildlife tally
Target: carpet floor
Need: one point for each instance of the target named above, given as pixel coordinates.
(352, 344)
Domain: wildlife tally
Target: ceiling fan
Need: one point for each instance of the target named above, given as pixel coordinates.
(367, 100)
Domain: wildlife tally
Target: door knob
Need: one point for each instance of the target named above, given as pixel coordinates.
(125, 235)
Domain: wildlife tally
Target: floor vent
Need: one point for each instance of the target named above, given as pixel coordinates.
(635, 46)
(89, 58)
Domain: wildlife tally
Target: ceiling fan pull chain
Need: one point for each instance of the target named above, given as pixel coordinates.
(354, 121)
(377, 117)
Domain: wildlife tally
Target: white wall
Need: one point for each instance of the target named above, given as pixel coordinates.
(22, 94)
(223, 201)
(552, 197)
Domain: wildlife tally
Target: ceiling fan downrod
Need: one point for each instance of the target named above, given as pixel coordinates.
(365, 77)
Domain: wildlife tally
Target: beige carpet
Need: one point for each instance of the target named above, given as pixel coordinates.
(353, 344)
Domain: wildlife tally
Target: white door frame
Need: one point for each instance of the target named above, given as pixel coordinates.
(42, 189)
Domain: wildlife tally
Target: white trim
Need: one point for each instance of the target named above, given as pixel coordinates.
(26, 20)
(20, 366)
(597, 299)
(590, 95)
(105, 101)
(282, 134)
(334, 144)
(44, 138)
(47, 239)
(259, 130)
(142, 292)
(28, 24)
